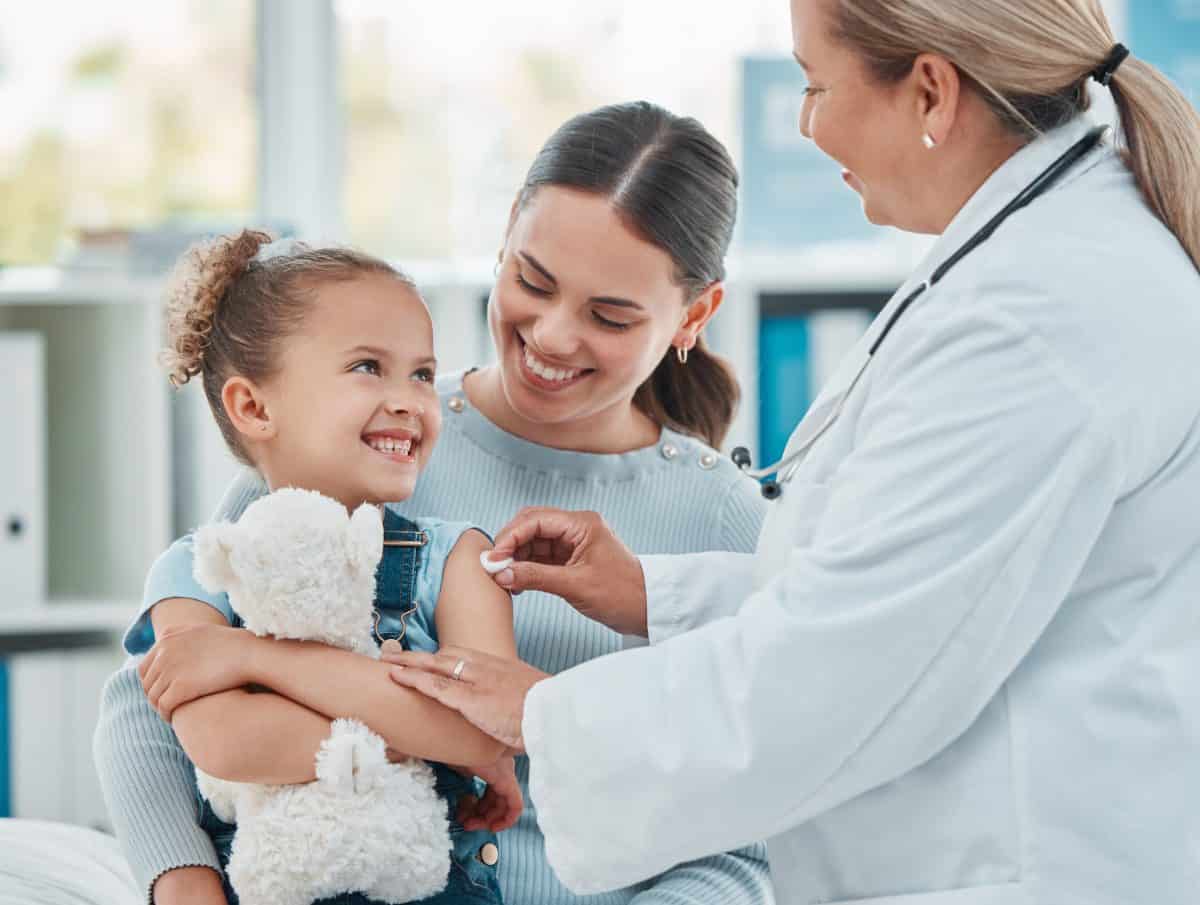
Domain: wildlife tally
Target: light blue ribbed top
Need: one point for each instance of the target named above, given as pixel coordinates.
(677, 496)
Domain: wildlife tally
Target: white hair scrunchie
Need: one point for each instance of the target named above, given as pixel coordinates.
(279, 248)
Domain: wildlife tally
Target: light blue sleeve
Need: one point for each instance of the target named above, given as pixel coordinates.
(443, 536)
(170, 576)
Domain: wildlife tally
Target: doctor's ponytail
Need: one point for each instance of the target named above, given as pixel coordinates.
(1032, 61)
(675, 185)
(1162, 147)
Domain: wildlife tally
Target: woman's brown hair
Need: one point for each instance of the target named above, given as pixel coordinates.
(675, 185)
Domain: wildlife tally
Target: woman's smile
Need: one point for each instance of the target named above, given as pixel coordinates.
(543, 374)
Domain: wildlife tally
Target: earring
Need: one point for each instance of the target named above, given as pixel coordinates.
(928, 141)
(681, 353)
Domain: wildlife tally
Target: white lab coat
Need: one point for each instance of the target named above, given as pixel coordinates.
(963, 667)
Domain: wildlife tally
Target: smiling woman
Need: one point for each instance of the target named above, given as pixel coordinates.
(603, 286)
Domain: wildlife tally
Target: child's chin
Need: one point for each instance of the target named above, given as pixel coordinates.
(395, 491)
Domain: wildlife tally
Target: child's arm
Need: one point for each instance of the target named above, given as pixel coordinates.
(192, 648)
(237, 735)
(472, 610)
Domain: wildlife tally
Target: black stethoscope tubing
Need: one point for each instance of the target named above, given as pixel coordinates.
(773, 489)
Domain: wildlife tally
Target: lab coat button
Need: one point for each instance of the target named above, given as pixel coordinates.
(708, 461)
(669, 451)
(457, 404)
(489, 854)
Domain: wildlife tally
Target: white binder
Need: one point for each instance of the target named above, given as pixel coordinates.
(22, 470)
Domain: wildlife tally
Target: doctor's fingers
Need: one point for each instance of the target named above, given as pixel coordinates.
(559, 579)
(539, 530)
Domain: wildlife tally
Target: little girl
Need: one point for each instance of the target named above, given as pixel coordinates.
(318, 367)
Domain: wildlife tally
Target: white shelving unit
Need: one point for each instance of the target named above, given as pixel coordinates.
(108, 514)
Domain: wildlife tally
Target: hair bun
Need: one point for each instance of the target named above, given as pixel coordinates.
(195, 288)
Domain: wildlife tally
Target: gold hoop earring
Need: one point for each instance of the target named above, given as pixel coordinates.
(681, 353)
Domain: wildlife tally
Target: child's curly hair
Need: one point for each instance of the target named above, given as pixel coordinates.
(228, 308)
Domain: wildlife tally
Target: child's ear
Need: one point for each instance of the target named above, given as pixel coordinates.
(246, 407)
(212, 547)
(364, 537)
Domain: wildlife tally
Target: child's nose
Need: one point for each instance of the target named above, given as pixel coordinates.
(406, 407)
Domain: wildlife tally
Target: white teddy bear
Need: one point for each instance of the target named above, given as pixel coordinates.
(297, 566)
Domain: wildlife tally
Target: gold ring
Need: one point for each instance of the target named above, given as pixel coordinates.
(458, 669)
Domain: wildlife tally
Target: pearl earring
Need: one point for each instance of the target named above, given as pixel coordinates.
(928, 141)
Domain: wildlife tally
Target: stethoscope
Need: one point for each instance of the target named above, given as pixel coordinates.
(818, 421)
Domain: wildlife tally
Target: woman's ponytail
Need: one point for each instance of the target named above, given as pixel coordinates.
(698, 398)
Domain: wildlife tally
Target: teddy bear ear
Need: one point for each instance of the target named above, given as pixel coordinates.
(212, 547)
(364, 546)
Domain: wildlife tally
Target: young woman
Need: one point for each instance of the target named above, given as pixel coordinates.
(603, 397)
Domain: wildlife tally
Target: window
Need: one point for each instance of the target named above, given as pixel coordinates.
(447, 103)
(120, 116)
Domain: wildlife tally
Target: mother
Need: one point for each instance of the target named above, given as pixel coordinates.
(962, 668)
(603, 397)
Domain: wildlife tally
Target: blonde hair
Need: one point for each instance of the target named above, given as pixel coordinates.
(227, 310)
(1031, 61)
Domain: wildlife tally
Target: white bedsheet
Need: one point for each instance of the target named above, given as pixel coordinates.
(43, 863)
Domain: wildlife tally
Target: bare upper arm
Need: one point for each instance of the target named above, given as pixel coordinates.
(177, 612)
(472, 610)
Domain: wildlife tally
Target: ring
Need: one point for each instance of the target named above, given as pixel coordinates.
(458, 668)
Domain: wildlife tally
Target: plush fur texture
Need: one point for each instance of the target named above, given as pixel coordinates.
(296, 566)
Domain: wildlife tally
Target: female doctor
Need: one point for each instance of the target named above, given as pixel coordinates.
(963, 666)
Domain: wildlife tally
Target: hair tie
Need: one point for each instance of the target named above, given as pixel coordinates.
(278, 249)
(1104, 72)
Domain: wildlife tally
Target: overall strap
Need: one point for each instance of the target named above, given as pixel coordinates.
(396, 575)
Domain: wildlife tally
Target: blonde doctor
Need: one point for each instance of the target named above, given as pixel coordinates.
(963, 667)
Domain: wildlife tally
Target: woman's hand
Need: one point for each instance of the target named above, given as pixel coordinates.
(578, 557)
(193, 661)
(489, 691)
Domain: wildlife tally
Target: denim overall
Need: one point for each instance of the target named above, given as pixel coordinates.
(471, 881)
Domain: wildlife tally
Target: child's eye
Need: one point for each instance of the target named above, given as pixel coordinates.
(810, 91)
(529, 287)
(424, 375)
(367, 366)
(612, 325)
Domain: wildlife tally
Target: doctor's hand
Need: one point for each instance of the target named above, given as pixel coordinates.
(576, 556)
(488, 691)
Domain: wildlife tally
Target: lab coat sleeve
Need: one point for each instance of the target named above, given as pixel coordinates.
(684, 591)
(688, 590)
(980, 478)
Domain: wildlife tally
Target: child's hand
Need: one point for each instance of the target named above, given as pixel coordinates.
(189, 886)
(194, 661)
(501, 804)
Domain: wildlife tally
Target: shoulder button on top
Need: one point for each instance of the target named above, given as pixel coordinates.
(669, 451)
(457, 404)
(708, 461)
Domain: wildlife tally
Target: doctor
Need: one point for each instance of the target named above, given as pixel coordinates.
(963, 667)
